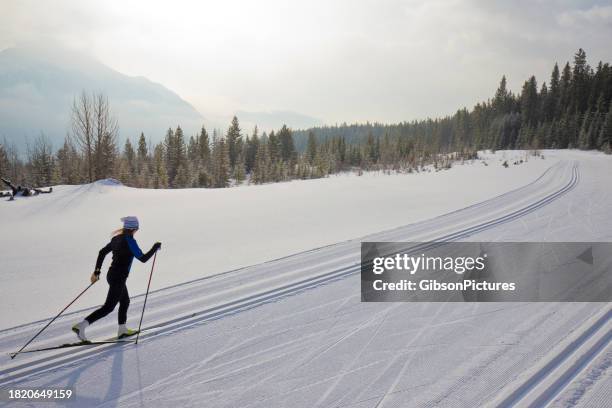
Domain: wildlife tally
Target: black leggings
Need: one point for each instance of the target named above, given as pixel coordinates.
(117, 293)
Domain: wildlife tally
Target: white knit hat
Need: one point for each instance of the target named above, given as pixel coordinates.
(130, 222)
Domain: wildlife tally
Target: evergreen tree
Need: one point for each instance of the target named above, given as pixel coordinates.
(234, 141)
(273, 148)
(176, 153)
(180, 149)
(203, 147)
(221, 165)
(68, 163)
(122, 172)
(170, 154)
(260, 168)
(580, 82)
(41, 162)
(311, 152)
(552, 102)
(501, 101)
(543, 100)
(143, 177)
(106, 154)
(529, 103)
(193, 150)
(287, 148)
(585, 137)
(130, 157)
(239, 173)
(3, 162)
(604, 141)
(372, 149)
(160, 174)
(143, 150)
(571, 110)
(204, 168)
(182, 177)
(565, 90)
(252, 146)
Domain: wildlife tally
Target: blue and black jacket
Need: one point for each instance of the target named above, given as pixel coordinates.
(125, 249)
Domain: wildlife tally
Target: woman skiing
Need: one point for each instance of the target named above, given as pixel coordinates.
(124, 249)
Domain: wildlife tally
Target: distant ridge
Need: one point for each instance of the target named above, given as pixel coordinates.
(37, 88)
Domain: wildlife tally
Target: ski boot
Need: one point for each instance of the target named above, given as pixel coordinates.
(124, 332)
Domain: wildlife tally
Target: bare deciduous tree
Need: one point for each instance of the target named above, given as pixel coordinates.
(94, 131)
(82, 129)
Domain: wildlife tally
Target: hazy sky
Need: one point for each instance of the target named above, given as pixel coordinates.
(336, 60)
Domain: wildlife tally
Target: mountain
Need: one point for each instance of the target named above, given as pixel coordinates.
(37, 88)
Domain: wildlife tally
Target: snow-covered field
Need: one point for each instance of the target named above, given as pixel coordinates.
(51, 241)
(293, 332)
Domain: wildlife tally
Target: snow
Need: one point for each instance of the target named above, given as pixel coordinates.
(293, 332)
(108, 182)
(54, 239)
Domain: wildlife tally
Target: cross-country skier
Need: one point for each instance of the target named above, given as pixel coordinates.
(124, 249)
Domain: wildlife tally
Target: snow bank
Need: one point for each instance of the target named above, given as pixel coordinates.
(108, 182)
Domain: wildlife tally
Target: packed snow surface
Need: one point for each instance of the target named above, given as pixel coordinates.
(292, 331)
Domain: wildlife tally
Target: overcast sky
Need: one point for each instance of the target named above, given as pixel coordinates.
(336, 60)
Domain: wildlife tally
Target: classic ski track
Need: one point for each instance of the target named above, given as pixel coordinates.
(562, 367)
(38, 367)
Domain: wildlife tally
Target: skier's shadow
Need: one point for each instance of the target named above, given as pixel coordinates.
(113, 393)
(116, 379)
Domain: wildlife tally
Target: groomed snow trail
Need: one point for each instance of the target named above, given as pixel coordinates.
(293, 332)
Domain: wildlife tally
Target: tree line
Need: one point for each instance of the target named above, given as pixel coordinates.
(572, 110)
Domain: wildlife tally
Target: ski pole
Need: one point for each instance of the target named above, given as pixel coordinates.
(145, 300)
(52, 320)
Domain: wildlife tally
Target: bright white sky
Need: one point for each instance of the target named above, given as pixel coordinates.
(335, 60)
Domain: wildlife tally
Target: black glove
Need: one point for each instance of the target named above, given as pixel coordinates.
(157, 246)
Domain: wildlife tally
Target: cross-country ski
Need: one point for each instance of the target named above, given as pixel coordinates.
(77, 344)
